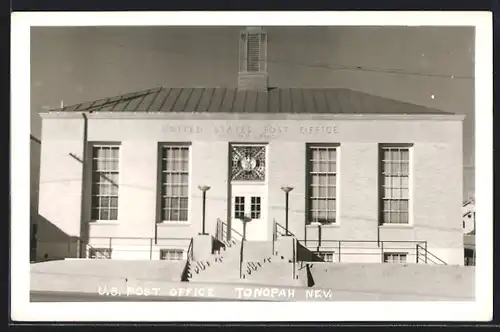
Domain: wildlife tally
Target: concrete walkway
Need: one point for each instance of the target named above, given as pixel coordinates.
(153, 290)
(333, 282)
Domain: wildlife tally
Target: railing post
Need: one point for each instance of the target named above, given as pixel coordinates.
(241, 258)
(416, 253)
(151, 249)
(275, 230)
(339, 250)
(425, 252)
(382, 251)
(191, 254)
(78, 247)
(109, 256)
(274, 237)
(319, 237)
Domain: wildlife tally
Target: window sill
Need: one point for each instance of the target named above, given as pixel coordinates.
(173, 223)
(397, 226)
(104, 222)
(249, 182)
(316, 225)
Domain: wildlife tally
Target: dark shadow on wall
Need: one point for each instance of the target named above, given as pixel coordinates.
(306, 255)
(49, 242)
(310, 278)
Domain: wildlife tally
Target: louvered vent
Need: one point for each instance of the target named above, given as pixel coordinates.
(253, 52)
(253, 66)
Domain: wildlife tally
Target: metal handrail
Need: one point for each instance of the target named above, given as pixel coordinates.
(287, 232)
(432, 256)
(366, 241)
(131, 244)
(346, 248)
(241, 259)
(189, 253)
(189, 259)
(222, 230)
(219, 231)
(221, 234)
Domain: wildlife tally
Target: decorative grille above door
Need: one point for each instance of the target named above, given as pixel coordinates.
(248, 162)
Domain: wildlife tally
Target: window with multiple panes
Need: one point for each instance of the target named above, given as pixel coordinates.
(105, 162)
(255, 207)
(322, 181)
(171, 254)
(239, 207)
(395, 257)
(100, 253)
(175, 182)
(326, 256)
(395, 184)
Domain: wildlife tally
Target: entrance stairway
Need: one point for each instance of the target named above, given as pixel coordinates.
(262, 265)
(258, 266)
(224, 265)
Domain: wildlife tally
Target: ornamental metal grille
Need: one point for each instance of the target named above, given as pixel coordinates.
(248, 163)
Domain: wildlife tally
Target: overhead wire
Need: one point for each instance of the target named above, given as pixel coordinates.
(328, 66)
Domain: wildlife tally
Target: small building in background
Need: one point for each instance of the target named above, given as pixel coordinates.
(34, 186)
(470, 249)
(469, 225)
(469, 216)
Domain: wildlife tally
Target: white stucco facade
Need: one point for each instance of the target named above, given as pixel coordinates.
(435, 179)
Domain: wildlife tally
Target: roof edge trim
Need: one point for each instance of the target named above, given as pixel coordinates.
(250, 116)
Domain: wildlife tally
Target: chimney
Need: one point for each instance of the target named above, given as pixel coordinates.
(253, 60)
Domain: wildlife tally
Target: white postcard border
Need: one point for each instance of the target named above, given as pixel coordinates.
(23, 310)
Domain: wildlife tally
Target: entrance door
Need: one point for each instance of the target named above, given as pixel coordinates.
(248, 209)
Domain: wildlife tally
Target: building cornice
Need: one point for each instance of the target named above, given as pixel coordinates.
(251, 116)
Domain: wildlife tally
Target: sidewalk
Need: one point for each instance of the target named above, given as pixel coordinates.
(120, 289)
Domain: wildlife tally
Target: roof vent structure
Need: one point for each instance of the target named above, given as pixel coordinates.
(253, 60)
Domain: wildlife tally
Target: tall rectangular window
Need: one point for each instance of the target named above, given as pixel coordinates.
(105, 162)
(175, 182)
(322, 182)
(395, 186)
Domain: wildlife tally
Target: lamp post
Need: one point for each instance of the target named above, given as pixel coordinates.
(204, 190)
(287, 190)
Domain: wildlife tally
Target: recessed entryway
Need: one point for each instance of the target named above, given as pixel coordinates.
(248, 191)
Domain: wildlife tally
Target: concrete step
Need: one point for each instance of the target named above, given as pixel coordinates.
(275, 271)
(219, 271)
(256, 250)
(223, 264)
